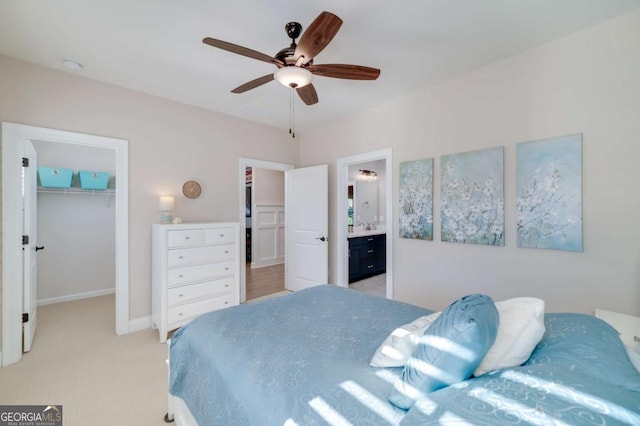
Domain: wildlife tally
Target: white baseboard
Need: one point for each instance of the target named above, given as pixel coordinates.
(263, 263)
(77, 296)
(139, 324)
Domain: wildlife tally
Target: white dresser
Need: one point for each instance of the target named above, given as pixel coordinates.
(195, 269)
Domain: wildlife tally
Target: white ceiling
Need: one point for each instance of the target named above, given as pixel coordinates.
(155, 46)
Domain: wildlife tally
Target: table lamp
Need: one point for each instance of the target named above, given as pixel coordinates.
(166, 205)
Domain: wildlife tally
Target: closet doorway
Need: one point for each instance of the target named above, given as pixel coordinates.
(261, 220)
(13, 137)
(76, 226)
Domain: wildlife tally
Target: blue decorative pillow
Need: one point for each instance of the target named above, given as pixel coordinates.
(450, 350)
(586, 344)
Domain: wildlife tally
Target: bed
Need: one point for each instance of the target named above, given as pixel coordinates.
(303, 359)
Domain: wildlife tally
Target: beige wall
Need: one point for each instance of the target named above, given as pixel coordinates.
(268, 186)
(169, 143)
(586, 83)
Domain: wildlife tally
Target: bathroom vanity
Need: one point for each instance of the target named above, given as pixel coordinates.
(367, 254)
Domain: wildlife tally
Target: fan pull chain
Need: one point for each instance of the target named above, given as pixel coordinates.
(292, 130)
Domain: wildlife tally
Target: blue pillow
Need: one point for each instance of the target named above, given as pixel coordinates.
(450, 350)
(586, 344)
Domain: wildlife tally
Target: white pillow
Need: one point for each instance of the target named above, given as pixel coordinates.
(396, 350)
(521, 329)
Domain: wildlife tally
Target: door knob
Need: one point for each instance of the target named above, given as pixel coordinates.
(39, 248)
(321, 238)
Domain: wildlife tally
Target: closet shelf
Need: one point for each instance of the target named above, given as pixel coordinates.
(74, 190)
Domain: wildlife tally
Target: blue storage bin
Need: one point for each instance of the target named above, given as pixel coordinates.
(93, 180)
(53, 177)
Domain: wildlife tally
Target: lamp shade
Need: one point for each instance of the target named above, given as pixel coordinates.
(166, 203)
(293, 76)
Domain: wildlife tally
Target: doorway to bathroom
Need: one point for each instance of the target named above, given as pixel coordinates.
(364, 222)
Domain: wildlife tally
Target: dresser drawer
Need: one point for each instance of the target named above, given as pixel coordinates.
(219, 236)
(369, 266)
(370, 239)
(369, 251)
(197, 255)
(187, 311)
(200, 273)
(182, 294)
(185, 238)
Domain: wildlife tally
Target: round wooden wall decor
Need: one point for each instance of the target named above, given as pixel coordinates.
(191, 189)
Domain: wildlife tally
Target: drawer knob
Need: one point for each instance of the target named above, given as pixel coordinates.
(181, 295)
(226, 285)
(226, 303)
(369, 239)
(180, 314)
(370, 266)
(226, 269)
(369, 251)
(186, 238)
(226, 252)
(180, 257)
(180, 276)
(221, 235)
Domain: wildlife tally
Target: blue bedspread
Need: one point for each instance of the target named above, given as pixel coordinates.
(303, 359)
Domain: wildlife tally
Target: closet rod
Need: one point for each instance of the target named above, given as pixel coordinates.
(46, 190)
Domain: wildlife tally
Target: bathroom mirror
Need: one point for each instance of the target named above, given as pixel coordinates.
(365, 202)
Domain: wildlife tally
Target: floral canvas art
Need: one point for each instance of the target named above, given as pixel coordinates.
(472, 204)
(416, 199)
(549, 182)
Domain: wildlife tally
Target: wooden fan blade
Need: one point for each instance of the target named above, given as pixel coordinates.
(253, 83)
(317, 36)
(240, 50)
(350, 72)
(308, 94)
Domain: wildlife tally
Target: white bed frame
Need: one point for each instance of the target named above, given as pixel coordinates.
(179, 413)
(177, 409)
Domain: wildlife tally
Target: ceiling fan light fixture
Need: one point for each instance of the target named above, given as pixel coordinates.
(293, 76)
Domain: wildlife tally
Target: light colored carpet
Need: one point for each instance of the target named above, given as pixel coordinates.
(98, 377)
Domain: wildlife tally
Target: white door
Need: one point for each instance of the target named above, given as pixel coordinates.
(29, 225)
(307, 210)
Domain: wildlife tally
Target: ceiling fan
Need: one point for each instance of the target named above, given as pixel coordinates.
(295, 63)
